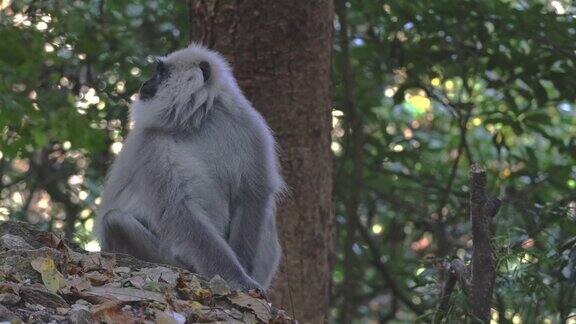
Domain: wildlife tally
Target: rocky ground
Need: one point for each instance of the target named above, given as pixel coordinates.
(44, 279)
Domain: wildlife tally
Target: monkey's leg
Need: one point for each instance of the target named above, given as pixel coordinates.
(124, 233)
(190, 239)
(253, 237)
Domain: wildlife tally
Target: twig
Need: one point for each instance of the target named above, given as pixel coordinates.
(439, 223)
(450, 278)
(462, 274)
(385, 272)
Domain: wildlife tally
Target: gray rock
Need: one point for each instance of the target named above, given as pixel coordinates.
(7, 315)
(41, 296)
(13, 242)
(79, 315)
(9, 299)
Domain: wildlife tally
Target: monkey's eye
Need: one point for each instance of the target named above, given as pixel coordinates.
(161, 70)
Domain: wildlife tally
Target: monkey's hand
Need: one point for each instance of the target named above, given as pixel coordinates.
(249, 286)
(255, 290)
(246, 284)
(195, 244)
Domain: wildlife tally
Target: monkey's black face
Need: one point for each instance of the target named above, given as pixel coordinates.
(150, 87)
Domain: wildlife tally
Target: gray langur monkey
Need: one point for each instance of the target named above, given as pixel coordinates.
(196, 182)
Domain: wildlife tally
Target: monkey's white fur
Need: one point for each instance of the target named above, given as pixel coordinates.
(196, 181)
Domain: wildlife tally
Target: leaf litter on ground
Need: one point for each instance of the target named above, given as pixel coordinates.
(102, 287)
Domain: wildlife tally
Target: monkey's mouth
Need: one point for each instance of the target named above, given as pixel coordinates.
(148, 90)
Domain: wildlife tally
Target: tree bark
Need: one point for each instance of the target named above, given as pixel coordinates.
(280, 53)
(483, 272)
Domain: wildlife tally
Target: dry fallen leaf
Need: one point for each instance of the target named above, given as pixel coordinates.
(111, 312)
(136, 282)
(97, 279)
(260, 307)
(194, 283)
(280, 317)
(49, 239)
(169, 317)
(159, 273)
(202, 294)
(9, 287)
(192, 290)
(76, 283)
(95, 261)
(127, 294)
(198, 313)
(52, 279)
(120, 270)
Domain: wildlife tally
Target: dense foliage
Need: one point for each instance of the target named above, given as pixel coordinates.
(435, 86)
(69, 70)
(439, 86)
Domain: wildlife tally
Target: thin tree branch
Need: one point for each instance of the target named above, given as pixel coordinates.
(352, 200)
(449, 281)
(385, 272)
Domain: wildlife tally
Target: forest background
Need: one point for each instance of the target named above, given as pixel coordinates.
(421, 90)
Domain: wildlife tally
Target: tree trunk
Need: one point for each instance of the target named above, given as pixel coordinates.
(280, 53)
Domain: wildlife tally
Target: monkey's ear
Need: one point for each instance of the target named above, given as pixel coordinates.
(205, 67)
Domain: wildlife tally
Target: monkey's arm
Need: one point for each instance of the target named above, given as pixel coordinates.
(248, 214)
(122, 232)
(253, 236)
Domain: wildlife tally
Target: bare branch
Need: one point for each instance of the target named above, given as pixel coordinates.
(452, 272)
(462, 274)
(449, 281)
(476, 280)
(385, 272)
(483, 265)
